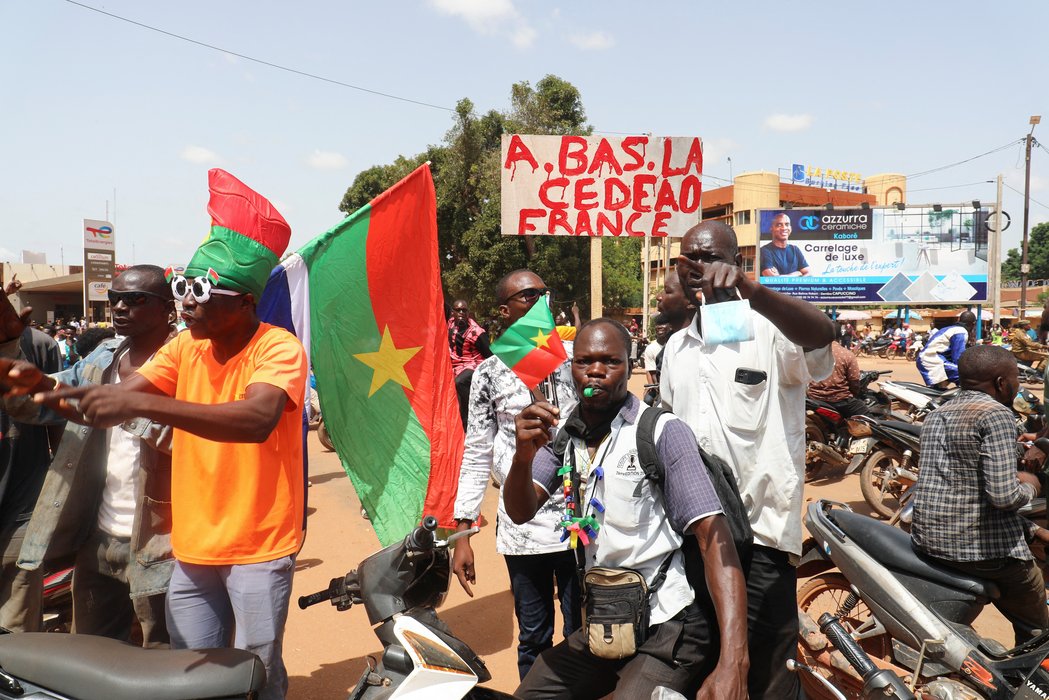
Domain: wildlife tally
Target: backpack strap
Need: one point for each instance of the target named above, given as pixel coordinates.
(646, 444)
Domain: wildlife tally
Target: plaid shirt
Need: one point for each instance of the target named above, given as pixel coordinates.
(968, 494)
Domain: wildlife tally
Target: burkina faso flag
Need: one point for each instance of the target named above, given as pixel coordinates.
(366, 300)
(531, 347)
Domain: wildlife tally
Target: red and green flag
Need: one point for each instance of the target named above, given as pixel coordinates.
(366, 299)
(531, 347)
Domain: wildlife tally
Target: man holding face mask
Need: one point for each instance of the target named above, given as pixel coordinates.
(737, 376)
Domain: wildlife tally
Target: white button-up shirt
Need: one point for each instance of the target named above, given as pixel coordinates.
(497, 395)
(746, 404)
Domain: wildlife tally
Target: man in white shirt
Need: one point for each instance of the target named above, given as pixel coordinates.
(535, 556)
(746, 403)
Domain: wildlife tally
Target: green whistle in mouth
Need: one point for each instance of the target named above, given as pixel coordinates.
(588, 392)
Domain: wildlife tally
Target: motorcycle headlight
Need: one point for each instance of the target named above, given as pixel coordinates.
(858, 428)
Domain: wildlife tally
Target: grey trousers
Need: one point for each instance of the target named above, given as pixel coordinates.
(20, 590)
(242, 604)
(102, 602)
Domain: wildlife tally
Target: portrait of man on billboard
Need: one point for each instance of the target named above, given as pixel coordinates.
(779, 257)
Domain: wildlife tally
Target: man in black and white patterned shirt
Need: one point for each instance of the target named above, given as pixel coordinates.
(969, 490)
(535, 556)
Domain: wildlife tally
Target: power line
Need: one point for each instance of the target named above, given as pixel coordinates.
(295, 71)
(951, 187)
(1028, 196)
(951, 165)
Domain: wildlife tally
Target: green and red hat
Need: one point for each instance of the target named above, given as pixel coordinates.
(248, 236)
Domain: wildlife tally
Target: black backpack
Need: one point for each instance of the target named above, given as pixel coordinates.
(721, 477)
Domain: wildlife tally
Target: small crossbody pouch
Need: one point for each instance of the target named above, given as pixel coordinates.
(617, 611)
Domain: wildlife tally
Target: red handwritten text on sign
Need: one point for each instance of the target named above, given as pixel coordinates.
(591, 186)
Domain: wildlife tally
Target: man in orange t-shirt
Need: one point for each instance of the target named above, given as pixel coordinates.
(232, 388)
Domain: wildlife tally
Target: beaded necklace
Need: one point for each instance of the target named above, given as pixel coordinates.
(578, 525)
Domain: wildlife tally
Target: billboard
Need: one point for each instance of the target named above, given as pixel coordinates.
(99, 259)
(874, 256)
(826, 178)
(600, 186)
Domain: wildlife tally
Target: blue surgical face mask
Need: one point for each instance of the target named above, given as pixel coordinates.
(727, 322)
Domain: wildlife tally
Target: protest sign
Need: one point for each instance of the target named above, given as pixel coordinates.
(875, 256)
(596, 186)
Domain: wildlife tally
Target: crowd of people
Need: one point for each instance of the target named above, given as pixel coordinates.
(696, 489)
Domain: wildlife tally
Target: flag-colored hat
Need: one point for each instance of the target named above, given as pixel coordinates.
(248, 236)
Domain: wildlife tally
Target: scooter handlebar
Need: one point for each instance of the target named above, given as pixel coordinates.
(306, 601)
(421, 538)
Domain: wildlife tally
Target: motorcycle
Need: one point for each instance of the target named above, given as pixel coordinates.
(886, 454)
(908, 615)
(916, 346)
(896, 348)
(400, 587)
(826, 437)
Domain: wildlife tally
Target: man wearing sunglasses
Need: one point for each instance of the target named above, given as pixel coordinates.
(534, 553)
(468, 343)
(106, 499)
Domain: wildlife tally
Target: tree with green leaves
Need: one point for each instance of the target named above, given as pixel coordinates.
(1037, 256)
(466, 169)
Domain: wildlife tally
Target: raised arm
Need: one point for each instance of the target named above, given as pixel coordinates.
(522, 497)
(251, 419)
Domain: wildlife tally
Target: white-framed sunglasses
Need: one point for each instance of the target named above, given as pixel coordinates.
(200, 288)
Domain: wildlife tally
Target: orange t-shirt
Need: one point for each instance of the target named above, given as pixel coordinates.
(233, 502)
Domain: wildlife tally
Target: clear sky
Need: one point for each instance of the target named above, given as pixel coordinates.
(97, 109)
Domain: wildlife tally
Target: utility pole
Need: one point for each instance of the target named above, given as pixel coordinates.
(1025, 268)
(994, 257)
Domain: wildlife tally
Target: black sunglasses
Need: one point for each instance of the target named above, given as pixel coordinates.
(132, 298)
(529, 295)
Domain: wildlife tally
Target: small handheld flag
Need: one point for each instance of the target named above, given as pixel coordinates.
(530, 347)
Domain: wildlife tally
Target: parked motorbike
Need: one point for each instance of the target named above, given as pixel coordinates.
(909, 615)
(826, 437)
(886, 454)
(400, 587)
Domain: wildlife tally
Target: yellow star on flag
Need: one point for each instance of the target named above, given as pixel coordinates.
(388, 362)
(541, 339)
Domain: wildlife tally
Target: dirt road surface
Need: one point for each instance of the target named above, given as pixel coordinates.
(326, 650)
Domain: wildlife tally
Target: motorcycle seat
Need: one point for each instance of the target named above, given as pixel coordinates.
(929, 391)
(96, 668)
(891, 547)
(914, 429)
(817, 403)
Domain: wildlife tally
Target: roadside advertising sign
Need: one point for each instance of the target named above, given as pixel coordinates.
(875, 256)
(99, 259)
(594, 186)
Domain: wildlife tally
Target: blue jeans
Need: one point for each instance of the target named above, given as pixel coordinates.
(532, 579)
(243, 604)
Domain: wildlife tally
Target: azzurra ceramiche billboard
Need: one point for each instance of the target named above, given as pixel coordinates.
(874, 256)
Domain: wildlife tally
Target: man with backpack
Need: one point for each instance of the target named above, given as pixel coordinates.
(739, 382)
(635, 489)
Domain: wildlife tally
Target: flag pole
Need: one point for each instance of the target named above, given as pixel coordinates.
(552, 379)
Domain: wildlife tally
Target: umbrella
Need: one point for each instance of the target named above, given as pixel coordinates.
(897, 314)
(852, 315)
